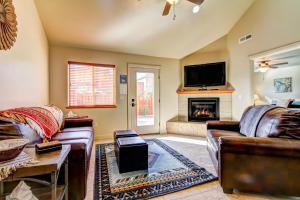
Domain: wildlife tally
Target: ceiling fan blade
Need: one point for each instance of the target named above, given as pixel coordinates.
(198, 2)
(266, 63)
(166, 9)
(283, 63)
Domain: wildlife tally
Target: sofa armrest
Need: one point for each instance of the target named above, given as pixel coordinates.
(259, 165)
(260, 146)
(77, 122)
(224, 125)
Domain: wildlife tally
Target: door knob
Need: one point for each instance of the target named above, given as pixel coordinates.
(132, 104)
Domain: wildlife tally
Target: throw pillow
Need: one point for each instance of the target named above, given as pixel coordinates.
(57, 114)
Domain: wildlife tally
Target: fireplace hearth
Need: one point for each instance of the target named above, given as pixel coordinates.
(203, 109)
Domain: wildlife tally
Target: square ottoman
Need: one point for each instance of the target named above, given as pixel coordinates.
(124, 133)
(131, 154)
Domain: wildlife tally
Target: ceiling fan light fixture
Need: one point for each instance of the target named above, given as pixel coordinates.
(264, 64)
(196, 9)
(263, 69)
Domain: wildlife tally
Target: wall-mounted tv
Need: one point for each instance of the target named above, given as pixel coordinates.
(211, 74)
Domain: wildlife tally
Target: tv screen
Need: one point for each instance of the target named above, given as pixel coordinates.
(211, 74)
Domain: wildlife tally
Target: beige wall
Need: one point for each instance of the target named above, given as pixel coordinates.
(273, 23)
(214, 52)
(24, 68)
(109, 119)
(205, 57)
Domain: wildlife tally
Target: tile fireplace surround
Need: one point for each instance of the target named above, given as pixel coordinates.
(183, 126)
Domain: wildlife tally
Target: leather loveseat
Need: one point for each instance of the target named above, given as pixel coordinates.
(79, 134)
(261, 153)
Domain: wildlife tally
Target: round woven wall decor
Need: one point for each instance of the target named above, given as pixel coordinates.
(8, 24)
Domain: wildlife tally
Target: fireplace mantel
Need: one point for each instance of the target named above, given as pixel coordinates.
(222, 91)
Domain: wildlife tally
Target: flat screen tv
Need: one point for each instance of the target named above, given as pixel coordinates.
(211, 74)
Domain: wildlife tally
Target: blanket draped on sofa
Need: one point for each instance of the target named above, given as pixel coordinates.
(44, 120)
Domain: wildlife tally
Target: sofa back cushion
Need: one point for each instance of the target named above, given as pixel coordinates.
(251, 119)
(279, 122)
(57, 114)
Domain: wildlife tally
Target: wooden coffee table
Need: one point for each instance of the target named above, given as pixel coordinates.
(48, 164)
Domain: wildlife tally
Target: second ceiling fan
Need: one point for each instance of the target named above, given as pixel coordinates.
(170, 3)
(269, 64)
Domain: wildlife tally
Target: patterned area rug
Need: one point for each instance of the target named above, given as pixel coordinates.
(169, 171)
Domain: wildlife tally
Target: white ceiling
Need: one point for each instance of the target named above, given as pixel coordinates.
(137, 27)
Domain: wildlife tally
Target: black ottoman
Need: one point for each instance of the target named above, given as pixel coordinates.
(124, 133)
(131, 154)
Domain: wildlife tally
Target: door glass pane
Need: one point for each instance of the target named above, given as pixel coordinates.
(145, 98)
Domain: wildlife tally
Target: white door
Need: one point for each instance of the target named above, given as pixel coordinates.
(143, 98)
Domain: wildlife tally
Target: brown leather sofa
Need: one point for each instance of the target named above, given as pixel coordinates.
(261, 153)
(79, 134)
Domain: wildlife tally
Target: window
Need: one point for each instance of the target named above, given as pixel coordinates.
(91, 85)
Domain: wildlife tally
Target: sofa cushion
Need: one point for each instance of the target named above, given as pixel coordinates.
(279, 122)
(213, 138)
(213, 144)
(214, 134)
(85, 128)
(73, 135)
(78, 122)
(292, 127)
(221, 133)
(251, 118)
(224, 125)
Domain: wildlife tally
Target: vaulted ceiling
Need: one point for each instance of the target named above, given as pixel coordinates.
(136, 26)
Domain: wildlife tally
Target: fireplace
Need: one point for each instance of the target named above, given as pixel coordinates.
(203, 109)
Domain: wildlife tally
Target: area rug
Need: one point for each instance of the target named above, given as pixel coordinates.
(169, 171)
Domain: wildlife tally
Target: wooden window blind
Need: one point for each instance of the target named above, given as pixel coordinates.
(91, 85)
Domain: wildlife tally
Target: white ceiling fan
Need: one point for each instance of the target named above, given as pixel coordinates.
(265, 65)
(275, 62)
(170, 3)
(269, 64)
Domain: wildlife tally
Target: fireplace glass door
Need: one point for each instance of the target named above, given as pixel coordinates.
(203, 109)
